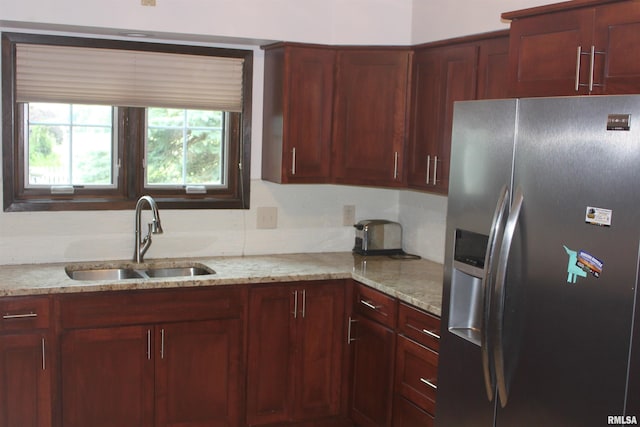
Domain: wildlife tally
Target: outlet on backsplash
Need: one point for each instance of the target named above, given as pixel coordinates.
(267, 217)
(348, 214)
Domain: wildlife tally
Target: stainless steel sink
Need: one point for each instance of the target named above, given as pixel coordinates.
(178, 271)
(143, 272)
(104, 274)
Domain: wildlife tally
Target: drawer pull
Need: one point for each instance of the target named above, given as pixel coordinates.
(370, 305)
(44, 357)
(19, 316)
(351, 322)
(429, 383)
(431, 334)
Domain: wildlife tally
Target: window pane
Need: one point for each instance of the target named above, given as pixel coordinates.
(69, 145)
(203, 157)
(185, 147)
(164, 156)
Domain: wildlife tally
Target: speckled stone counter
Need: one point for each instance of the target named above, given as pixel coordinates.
(417, 282)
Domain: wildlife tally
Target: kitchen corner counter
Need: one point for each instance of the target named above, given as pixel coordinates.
(416, 282)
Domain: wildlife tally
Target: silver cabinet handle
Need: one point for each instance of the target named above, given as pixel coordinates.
(428, 168)
(395, 165)
(351, 322)
(148, 344)
(293, 161)
(295, 304)
(368, 304)
(304, 303)
(435, 170)
(578, 68)
(429, 383)
(162, 343)
(19, 316)
(431, 334)
(591, 62)
(44, 357)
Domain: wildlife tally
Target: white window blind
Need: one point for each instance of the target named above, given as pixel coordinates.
(66, 74)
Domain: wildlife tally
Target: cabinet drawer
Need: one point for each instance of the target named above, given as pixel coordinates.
(419, 326)
(416, 373)
(375, 305)
(406, 414)
(23, 313)
(140, 307)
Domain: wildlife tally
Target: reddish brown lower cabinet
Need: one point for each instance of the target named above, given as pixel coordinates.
(27, 364)
(198, 373)
(107, 375)
(416, 376)
(372, 376)
(181, 367)
(295, 350)
(409, 415)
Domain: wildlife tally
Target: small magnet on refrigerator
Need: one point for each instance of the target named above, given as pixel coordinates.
(589, 263)
(598, 216)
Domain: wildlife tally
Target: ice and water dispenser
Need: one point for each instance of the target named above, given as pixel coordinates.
(465, 310)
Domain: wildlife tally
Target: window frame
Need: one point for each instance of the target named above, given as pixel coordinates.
(131, 133)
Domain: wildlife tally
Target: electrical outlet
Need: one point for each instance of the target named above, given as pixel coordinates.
(267, 217)
(348, 214)
(148, 2)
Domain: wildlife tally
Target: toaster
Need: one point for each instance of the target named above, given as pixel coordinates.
(378, 237)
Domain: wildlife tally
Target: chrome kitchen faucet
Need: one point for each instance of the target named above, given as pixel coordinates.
(142, 245)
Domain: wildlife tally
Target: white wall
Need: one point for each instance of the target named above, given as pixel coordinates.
(309, 216)
(439, 20)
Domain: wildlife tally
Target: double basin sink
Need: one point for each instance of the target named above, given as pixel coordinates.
(137, 272)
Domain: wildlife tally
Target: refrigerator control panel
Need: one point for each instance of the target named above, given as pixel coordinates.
(470, 248)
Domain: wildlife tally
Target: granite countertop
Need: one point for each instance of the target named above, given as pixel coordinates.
(417, 282)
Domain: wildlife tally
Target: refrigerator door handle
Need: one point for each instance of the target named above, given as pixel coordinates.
(487, 287)
(503, 259)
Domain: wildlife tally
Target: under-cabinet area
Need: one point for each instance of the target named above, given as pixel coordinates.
(302, 351)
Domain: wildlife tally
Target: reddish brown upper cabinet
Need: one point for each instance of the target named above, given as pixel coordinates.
(27, 362)
(369, 116)
(493, 67)
(152, 358)
(443, 73)
(441, 76)
(575, 48)
(295, 352)
(297, 115)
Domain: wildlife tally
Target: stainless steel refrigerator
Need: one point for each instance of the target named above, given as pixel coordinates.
(541, 264)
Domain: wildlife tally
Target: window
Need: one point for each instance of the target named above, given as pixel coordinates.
(69, 145)
(185, 148)
(95, 124)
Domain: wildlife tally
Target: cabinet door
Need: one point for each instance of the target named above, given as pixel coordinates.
(198, 374)
(25, 381)
(544, 54)
(425, 116)
(493, 69)
(372, 387)
(308, 113)
(269, 362)
(319, 346)
(455, 80)
(369, 119)
(107, 375)
(297, 115)
(616, 41)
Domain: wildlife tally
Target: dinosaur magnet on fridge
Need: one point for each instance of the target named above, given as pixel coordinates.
(580, 263)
